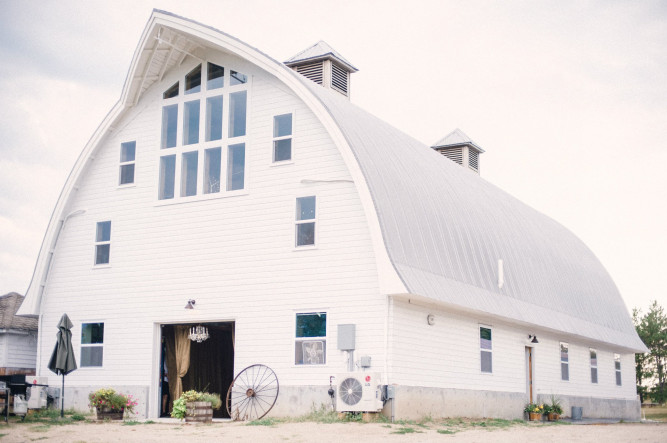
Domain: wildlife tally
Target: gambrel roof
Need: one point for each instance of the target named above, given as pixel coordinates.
(438, 231)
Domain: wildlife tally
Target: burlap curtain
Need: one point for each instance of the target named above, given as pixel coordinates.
(181, 359)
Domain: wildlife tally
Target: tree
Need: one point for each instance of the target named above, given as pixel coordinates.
(651, 368)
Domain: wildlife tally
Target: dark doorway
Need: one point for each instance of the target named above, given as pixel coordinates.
(211, 365)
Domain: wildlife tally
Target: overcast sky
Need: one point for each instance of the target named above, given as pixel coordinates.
(568, 98)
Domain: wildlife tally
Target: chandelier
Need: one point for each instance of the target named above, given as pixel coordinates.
(198, 333)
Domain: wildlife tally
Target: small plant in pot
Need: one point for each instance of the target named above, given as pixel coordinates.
(534, 411)
(110, 405)
(195, 406)
(555, 409)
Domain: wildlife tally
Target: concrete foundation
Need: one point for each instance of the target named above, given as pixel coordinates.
(415, 402)
(411, 403)
(77, 397)
(629, 410)
(300, 400)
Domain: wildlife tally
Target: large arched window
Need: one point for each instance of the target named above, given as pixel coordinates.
(203, 135)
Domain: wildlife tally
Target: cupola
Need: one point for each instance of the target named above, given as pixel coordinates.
(459, 148)
(323, 65)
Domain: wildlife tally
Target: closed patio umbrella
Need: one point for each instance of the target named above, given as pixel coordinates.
(62, 360)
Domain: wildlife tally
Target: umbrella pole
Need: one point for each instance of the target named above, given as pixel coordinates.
(62, 399)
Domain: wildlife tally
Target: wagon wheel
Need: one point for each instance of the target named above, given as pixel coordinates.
(253, 393)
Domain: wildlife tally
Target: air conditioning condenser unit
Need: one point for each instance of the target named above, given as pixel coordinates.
(358, 392)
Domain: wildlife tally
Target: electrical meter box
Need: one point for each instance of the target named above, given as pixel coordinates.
(346, 337)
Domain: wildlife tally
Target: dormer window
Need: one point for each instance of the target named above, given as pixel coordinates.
(204, 129)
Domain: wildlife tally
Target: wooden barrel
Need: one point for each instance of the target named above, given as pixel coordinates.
(198, 412)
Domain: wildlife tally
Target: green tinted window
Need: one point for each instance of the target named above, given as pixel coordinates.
(92, 333)
(311, 325)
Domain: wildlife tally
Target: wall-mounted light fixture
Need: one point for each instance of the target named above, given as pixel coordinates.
(190, 305)
(533, 338)
(430, 319)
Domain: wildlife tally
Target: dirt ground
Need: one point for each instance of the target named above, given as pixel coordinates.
(174, 431)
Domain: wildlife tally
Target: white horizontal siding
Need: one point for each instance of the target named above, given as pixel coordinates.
(447, 354)
(234, 255)
(548, 373)
(21, 350)
(3, 350)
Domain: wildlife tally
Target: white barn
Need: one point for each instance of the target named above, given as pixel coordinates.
(284, 211)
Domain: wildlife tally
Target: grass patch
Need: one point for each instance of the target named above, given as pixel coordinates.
(446, 431)
(131, 423)
(263, 422)
(406, 430)
(51, 417)
(658, 413)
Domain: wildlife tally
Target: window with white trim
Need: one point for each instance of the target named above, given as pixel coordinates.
(486, 349)
(92, 345)
(594, 365)
(204, 127)
(127, 155)
(282, 137)
(564, 361)
(617, 368)
(310, 343)
(103, 243)
(305, 221)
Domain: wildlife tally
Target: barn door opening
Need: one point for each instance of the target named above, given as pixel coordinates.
(206, 366)
(530, 371)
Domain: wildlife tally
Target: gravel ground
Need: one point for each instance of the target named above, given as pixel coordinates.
(470, 431)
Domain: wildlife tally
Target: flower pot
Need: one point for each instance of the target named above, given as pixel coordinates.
(553, 416)
(198, 412)
(534, 416)
(110, 414)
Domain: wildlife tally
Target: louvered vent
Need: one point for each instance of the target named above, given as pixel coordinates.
(338, 78)
(312, 71)
(473, 159)
(454, 154)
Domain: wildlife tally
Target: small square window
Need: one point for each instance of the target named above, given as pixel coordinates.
(282, 137)
(103, 243)
(486, 349)
(305, 221)
(92, 344)
(564, 362)
(311, 339)
(127, 155)
(594, 365)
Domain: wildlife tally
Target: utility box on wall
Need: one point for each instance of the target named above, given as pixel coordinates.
(346, 337)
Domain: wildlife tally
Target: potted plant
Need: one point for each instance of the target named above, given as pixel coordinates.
(555, 409)
(195, 406)
(109, 405)
(534, 411)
